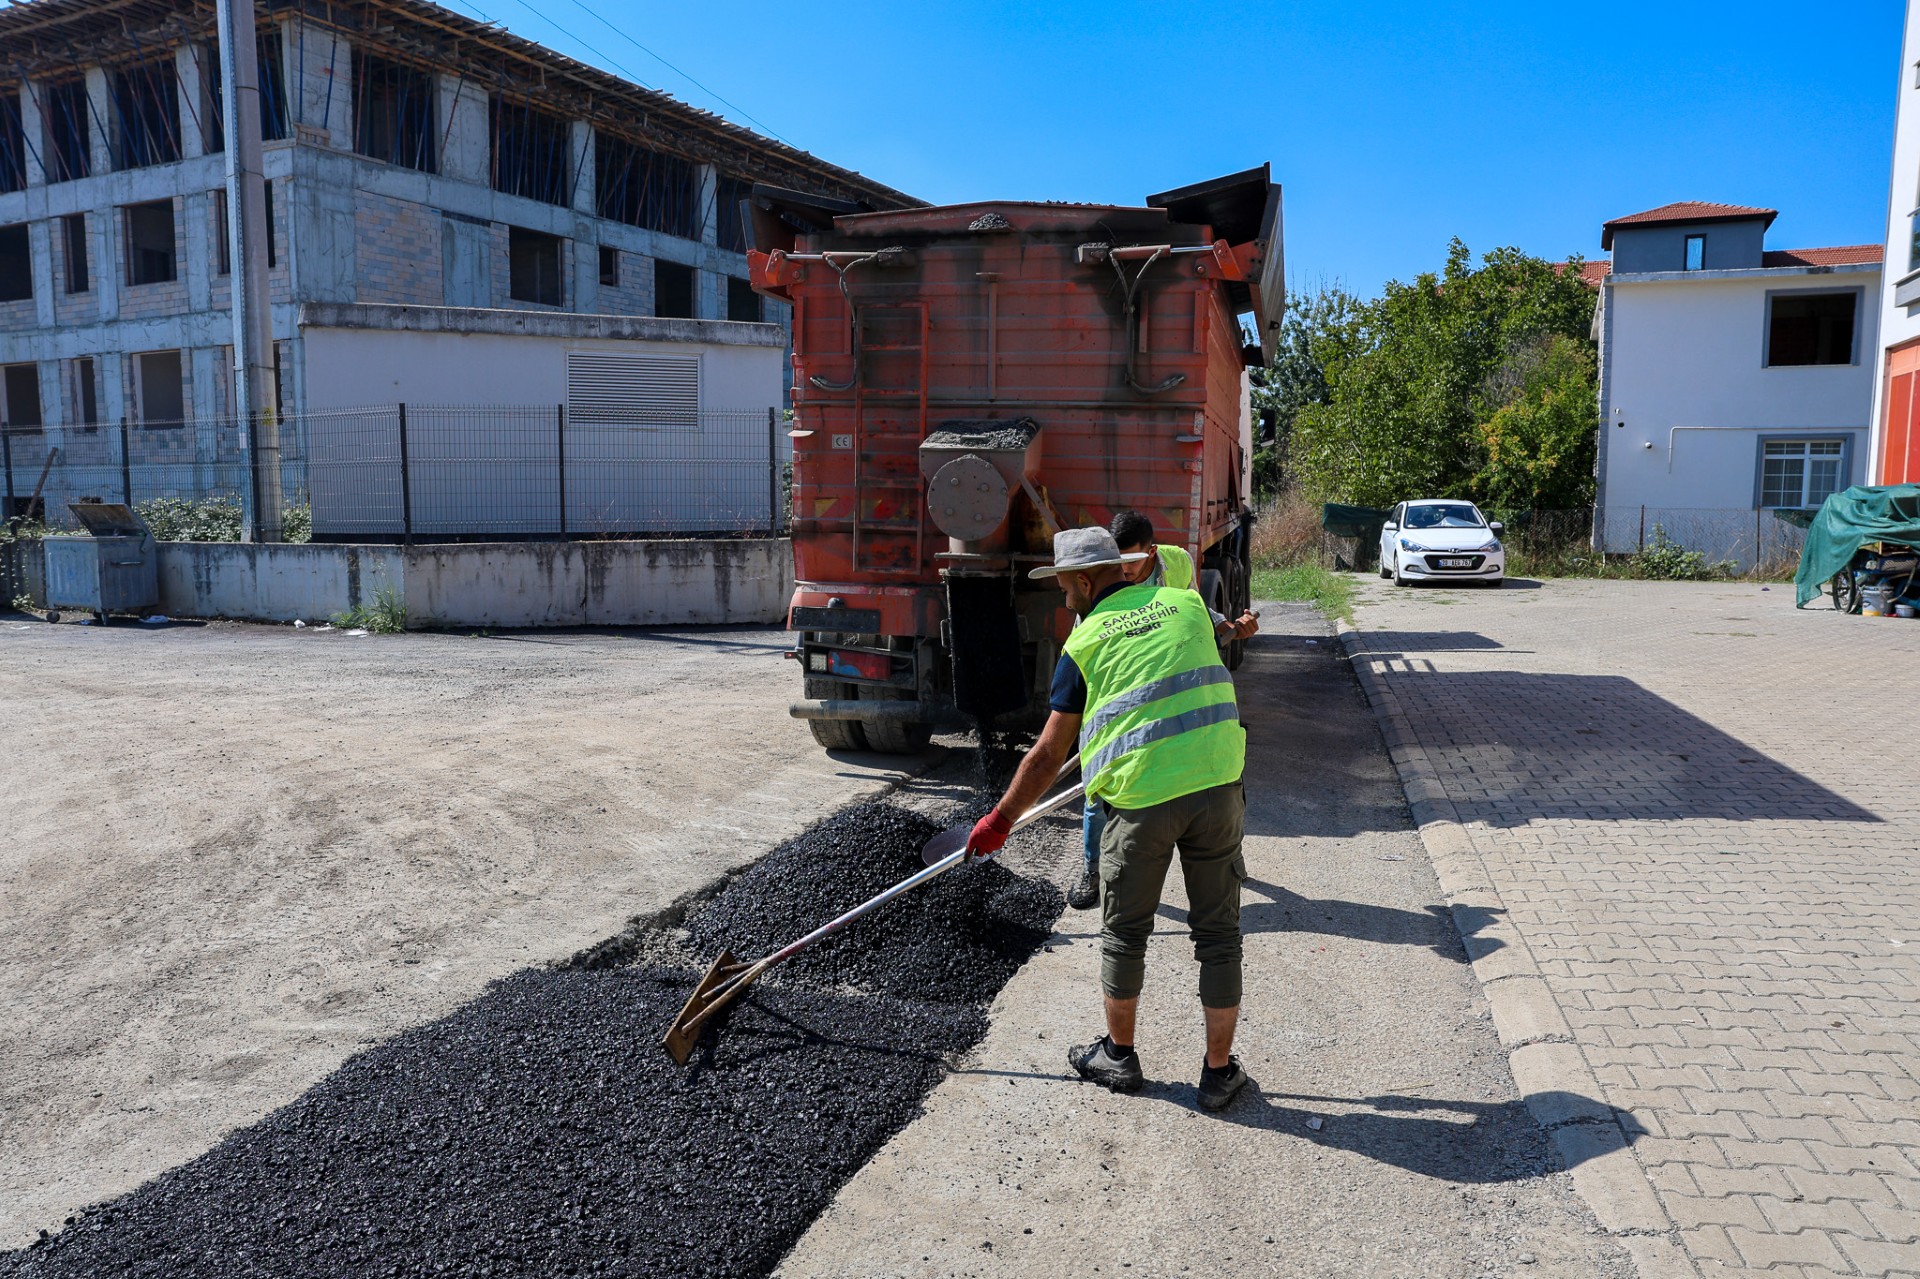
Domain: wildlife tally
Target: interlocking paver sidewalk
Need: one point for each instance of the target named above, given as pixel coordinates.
(1690, 817)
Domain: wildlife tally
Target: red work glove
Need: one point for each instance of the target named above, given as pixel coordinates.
(989, 833)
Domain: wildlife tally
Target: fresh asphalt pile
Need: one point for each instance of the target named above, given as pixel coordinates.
(955, 940)
(540, 1130)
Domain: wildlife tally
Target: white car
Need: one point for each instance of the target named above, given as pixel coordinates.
(1436, 540)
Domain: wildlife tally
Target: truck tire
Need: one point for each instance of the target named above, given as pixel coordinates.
(838, 734)
(1239, 600)
(834, 734)
(1215, 591)
(889, 737)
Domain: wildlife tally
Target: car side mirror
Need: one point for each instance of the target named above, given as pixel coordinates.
(1390, 527)
(1497, 527)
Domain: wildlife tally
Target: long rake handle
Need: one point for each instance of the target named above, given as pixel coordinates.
(724, 992)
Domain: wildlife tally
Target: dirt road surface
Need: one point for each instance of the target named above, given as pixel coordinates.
(235, 854)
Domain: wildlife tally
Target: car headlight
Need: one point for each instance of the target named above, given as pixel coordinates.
(1490, 546)
(1408, 544)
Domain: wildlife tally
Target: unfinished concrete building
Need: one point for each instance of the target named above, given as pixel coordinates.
(415, 158)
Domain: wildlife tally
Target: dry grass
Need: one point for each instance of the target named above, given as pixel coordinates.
(1288, 532)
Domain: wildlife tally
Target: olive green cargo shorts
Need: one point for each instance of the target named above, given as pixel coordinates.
(1136, 850)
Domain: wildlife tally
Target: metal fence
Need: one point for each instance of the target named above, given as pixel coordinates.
(1748, 539)
(407, 472)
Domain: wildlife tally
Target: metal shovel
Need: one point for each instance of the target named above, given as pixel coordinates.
(730, 975)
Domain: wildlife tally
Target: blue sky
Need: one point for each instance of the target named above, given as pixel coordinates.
(1392, 125)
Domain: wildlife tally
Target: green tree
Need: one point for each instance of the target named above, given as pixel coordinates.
(1418, 372)
(1319, 329)
(1537, 445)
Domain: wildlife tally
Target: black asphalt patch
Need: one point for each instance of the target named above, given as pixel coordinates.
(957, 939)
(542, 1131)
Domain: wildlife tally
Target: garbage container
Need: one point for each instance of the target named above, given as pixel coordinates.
(111, 570)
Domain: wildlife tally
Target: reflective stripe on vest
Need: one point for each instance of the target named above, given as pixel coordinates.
(1176, 567)
(1160, 720)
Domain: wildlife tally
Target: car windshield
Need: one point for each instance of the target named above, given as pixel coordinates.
(1444, 515)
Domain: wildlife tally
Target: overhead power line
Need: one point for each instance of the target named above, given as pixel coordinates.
(764, 128)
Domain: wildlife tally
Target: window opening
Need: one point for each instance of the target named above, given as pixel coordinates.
(529, 151)
(742, 302)
(73, 243)
(86, 396)
(609, 265)
(63, 115)
(730, 214)
(533, 267)
(672, 290)
(271, 62)
(150, 243)
(646, 188)
(1800, 473)
(146, 111)
(16, 264)
(1696, 252)
(1810, 328)
(222, 235)
(393, 113)
(162, 389)
(13, 142)
(23, 398)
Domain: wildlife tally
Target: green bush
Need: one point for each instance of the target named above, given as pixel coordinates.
(215, 519)
(1665, 560)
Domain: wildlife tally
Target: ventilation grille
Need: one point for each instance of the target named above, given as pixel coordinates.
(633, 390)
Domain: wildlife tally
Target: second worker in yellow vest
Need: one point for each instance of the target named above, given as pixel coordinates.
(1141, 691)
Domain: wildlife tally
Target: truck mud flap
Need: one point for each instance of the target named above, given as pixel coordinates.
(989, 673)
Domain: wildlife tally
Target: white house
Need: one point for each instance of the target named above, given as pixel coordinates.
(1894, 455)
(1734, 380)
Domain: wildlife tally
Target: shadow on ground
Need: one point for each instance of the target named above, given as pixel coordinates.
(1519, 746)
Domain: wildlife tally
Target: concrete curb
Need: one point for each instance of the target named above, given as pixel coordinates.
(1554, 1079)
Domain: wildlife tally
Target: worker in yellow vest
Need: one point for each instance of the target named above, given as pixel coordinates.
(1141, 691)
(1160, 565)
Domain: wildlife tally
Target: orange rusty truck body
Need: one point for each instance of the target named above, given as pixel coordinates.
(968, 378)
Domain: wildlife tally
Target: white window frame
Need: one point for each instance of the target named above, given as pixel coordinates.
(1803, 439)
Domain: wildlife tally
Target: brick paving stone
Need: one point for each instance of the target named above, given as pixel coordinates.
(1673, 793)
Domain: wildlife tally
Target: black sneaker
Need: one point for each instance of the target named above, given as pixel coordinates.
(1085, 891)
(1218, 1087)
(1096, 1061)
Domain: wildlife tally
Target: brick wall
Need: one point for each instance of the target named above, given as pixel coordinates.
(396, 251)
(76, 308)
(634, 294)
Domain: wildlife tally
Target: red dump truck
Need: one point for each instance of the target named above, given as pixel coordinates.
(967, 379)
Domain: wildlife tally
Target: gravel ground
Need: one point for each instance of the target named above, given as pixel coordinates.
(237, 854)
(540, 1130)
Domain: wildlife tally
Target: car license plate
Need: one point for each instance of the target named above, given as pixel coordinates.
(1456, 563)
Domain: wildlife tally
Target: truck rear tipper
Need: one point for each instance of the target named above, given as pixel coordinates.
(969, 378)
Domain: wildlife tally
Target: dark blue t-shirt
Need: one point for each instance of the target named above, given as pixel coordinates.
(1069, 692)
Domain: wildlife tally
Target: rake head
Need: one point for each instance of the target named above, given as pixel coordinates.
(702, 1006)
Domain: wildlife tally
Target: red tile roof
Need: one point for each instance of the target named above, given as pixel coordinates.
(1842, 255)
(1686, 211)
(1591, 272)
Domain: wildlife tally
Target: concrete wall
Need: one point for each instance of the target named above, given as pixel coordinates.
(515, 584)
(1688, 396)
(741, 366)
(1730, 246)
(1899, 297)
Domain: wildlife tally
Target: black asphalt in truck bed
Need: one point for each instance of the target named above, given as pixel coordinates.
(541, 1130)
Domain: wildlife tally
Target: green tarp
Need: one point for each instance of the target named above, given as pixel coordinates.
(1849, 520)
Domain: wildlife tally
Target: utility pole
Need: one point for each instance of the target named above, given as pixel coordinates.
(253, 358)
